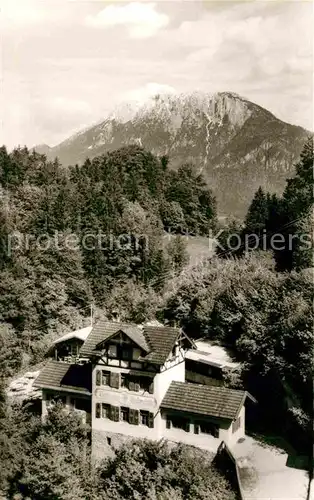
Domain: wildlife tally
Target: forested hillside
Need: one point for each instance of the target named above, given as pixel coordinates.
(257, 301)
(77, 235)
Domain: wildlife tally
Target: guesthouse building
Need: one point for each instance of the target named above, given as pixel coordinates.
(128, 381)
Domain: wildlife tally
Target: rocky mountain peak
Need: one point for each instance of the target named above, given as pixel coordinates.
(236, 144)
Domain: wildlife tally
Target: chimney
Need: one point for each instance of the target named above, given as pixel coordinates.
(115, 316)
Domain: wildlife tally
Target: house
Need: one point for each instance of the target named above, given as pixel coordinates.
(129, 382)
(207, 361)
(67, 347)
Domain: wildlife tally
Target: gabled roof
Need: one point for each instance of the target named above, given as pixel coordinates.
(211, 401)
(161, 340)
(103, 331)
(81, 334)
(156, 341)
(57, 375)
(134, 333)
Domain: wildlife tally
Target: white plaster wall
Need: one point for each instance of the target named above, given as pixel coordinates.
(225, 432)
(163, 379)
(204, 441)
(131, 430)
(140, 400)
(240, 433)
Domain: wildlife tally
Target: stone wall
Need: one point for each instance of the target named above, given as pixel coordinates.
(104, 443)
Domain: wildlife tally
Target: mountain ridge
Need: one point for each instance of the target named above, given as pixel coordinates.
(235, 143)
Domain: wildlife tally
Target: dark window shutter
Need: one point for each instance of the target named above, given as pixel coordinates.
(97, 410)
(168, 424)
(115, 380)
(114, 413)
(151, 388)
(151, 420)
(136, 387)
(131, 416)
(98, 377)
(111, 412)
(136, 417)
(196, 429)
(216, 431)
(187, 427)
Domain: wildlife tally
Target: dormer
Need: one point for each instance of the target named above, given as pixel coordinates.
(67, 348)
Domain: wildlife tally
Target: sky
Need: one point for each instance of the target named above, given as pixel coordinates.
(65, 64)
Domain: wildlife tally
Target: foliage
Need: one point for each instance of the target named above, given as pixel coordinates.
(73, 235)
(154, 470)
(265, 316)
(52, 461)
(285, 225)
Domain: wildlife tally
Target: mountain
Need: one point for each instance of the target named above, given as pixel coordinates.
(42, 149)
(236, 144)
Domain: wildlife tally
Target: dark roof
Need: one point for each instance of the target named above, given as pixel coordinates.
(103, 330)
(206, 400)
(156, 342)
(136, 334)
(161, 340)
(65, 376)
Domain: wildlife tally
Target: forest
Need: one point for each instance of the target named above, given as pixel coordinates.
(257, 301)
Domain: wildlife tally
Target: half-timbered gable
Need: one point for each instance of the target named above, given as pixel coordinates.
(132, 384)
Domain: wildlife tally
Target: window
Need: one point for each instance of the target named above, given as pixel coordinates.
(109, 441)
(236, 424)
(144, 416)
(75, 350)
(102, 377)
(124, 414)
(126, 353)
(105, 378)
(112, 351)
(124, 380)
(137, 383)
(181, 423)
(83, 404)
(145, 383)
(105, 410)
(206, 428)
(56, 398)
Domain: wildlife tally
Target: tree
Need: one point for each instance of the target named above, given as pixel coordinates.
(295, 213)
(56, 462)
(177, 251)
(257, 213)
(173, 217)
(266, 317)
(145, 469)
